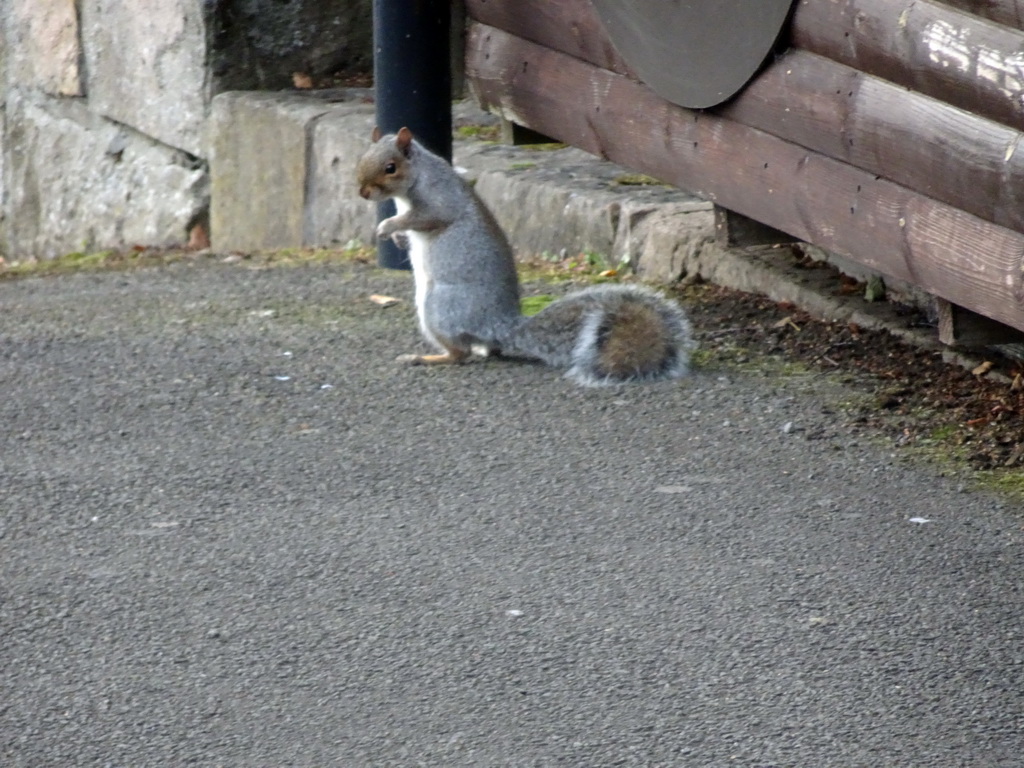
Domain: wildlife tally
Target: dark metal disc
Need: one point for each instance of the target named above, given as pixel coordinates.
(695, 53)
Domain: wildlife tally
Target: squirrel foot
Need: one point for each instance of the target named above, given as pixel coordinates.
(452, 356)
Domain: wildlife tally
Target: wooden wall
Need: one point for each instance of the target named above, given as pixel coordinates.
(889, 131)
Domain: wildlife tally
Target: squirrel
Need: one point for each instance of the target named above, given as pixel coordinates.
(467, 288)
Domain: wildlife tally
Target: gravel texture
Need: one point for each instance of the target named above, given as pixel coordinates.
(235, 533)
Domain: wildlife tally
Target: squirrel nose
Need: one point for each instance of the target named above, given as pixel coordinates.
(364, 192)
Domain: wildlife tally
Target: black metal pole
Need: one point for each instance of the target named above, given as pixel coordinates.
(412, 80)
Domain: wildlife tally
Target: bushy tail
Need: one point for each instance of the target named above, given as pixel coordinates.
(609, 334)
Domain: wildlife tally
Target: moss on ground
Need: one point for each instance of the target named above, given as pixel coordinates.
(152, 257)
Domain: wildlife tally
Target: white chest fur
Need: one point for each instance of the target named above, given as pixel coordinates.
(420, 269)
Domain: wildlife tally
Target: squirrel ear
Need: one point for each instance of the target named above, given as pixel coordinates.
(404, 139)
(375, 136)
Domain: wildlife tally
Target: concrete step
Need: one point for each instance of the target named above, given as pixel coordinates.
(283, 165)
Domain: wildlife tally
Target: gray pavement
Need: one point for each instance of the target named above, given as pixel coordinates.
(233, 532)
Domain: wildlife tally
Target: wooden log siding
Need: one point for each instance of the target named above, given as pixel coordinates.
(916, 141)
(954, 56)
(919, 142)
(1008, 12)
(570, 26)
(878, 223)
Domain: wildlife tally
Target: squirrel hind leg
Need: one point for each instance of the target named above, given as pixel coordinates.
(454, 351)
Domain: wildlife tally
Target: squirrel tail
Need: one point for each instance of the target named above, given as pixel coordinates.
(609, 334)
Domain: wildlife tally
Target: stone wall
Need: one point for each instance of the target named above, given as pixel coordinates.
(105, 107)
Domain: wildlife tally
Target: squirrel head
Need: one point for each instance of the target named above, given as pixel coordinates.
(384, 170)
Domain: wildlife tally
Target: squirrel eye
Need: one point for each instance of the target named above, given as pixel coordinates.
(389, 168)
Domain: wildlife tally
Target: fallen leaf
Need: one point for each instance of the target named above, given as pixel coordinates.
(198, 240)
(875, 289)
(302, 81)
(1015, 456)
(848, 285)
(384, 301)
(982, 369)
(786, 321)
(608, 273)
(1018, 383)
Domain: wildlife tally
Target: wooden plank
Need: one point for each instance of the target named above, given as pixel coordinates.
(569, 26)
(884, 226)
(960, 327)
(927, 145)
(517, 135)
(734, 230)
(925, 45)
(1008, 12)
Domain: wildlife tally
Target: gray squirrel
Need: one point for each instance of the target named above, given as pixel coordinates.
(467, 289)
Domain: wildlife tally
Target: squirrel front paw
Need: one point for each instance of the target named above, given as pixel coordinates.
(387, 228)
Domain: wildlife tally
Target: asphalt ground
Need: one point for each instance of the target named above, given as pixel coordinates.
(234, 532)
